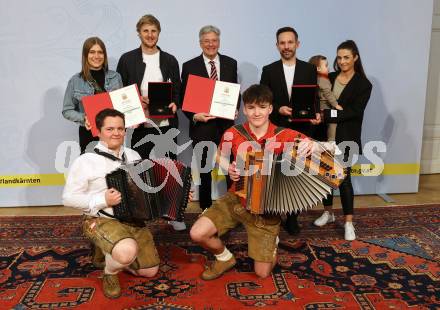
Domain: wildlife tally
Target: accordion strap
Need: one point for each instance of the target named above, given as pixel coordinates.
(241, 130)
(110, 156)
(106, 214)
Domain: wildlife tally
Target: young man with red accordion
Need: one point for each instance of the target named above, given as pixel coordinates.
(126, 247)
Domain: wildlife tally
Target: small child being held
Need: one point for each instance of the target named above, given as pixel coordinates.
(327, 99)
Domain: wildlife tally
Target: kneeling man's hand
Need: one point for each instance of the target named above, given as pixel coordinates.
(112, 197)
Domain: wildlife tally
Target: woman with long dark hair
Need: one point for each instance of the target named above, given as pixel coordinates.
(94, 78)
(352, 90)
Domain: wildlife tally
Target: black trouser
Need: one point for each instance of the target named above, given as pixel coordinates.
(347, 195)
(205, 199)
(85, 137)
(205, 188)
(162, 147)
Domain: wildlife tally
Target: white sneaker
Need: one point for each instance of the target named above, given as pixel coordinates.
(325, 218)
(177, 226)
(349, 231)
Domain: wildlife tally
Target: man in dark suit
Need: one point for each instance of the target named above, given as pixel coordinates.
(204, 127)
(279, 76)
(148, 63)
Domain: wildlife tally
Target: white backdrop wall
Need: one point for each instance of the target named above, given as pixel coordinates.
(40, 49)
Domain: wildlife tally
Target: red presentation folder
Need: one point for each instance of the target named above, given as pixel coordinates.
(95, 104)
(198, 94)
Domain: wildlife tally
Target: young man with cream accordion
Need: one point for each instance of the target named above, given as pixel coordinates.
(126, 247)
(257, 134)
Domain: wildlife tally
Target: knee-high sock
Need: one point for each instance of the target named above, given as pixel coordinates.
(224, 256)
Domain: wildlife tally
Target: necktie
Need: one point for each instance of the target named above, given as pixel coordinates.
(213, 74)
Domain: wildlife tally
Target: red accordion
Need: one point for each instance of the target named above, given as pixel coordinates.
(151, 189)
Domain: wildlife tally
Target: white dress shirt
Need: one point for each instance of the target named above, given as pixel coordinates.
(289, 74)
(86, 185)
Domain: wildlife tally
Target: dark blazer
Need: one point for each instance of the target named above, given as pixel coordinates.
(273, 76)
(353, 99)
(131, 67)
(213, 129)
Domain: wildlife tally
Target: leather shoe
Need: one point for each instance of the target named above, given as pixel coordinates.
(110, 285)
(217, 269)
(291, 225)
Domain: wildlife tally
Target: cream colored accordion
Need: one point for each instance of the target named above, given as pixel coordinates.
(287, 183)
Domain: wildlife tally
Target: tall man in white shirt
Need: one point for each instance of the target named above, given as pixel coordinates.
(148, 63)
(125, 247)
(279, 76)
(204, 127)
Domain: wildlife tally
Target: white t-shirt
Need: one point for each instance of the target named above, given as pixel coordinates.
(289, 74)
(152, 71)
(152, 74)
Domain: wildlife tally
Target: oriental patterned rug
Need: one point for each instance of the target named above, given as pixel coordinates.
(394, 264)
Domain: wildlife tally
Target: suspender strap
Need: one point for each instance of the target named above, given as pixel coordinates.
(278, 130)
(240, 128)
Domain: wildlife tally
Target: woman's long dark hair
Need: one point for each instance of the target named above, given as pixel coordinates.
(350, 45)
(85, 68)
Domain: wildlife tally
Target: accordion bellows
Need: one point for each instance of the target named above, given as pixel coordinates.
(281, 184)
(151, 189)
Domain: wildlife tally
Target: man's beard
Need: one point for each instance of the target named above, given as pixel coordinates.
(289, 55)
